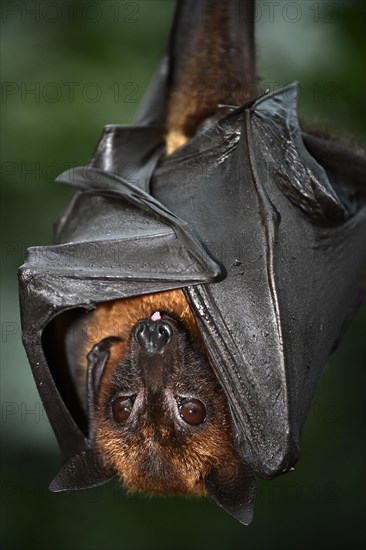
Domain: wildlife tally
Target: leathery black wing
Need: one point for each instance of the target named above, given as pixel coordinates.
(118, 243)
(293, 255)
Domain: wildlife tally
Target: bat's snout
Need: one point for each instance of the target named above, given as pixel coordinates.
(153, 336)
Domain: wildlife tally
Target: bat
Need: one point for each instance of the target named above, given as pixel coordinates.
(178, 327)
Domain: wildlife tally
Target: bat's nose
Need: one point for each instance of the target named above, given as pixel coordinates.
(153, 335)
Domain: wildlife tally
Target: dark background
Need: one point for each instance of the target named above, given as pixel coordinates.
(69, 68)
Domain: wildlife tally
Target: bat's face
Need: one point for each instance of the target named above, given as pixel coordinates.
(161, 417)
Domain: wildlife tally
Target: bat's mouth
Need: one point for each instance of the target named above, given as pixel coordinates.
(162, 315)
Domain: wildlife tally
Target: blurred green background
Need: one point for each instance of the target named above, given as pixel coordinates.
(69, 68)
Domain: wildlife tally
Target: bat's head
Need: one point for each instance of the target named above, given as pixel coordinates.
(161, 417)
(158, 417)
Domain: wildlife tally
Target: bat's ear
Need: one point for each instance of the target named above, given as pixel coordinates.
(233, 488)
(82, 471)
(97, 360)
(86, 469)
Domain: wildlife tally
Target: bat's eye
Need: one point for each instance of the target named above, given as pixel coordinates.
(192, 411)
(121, 408)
